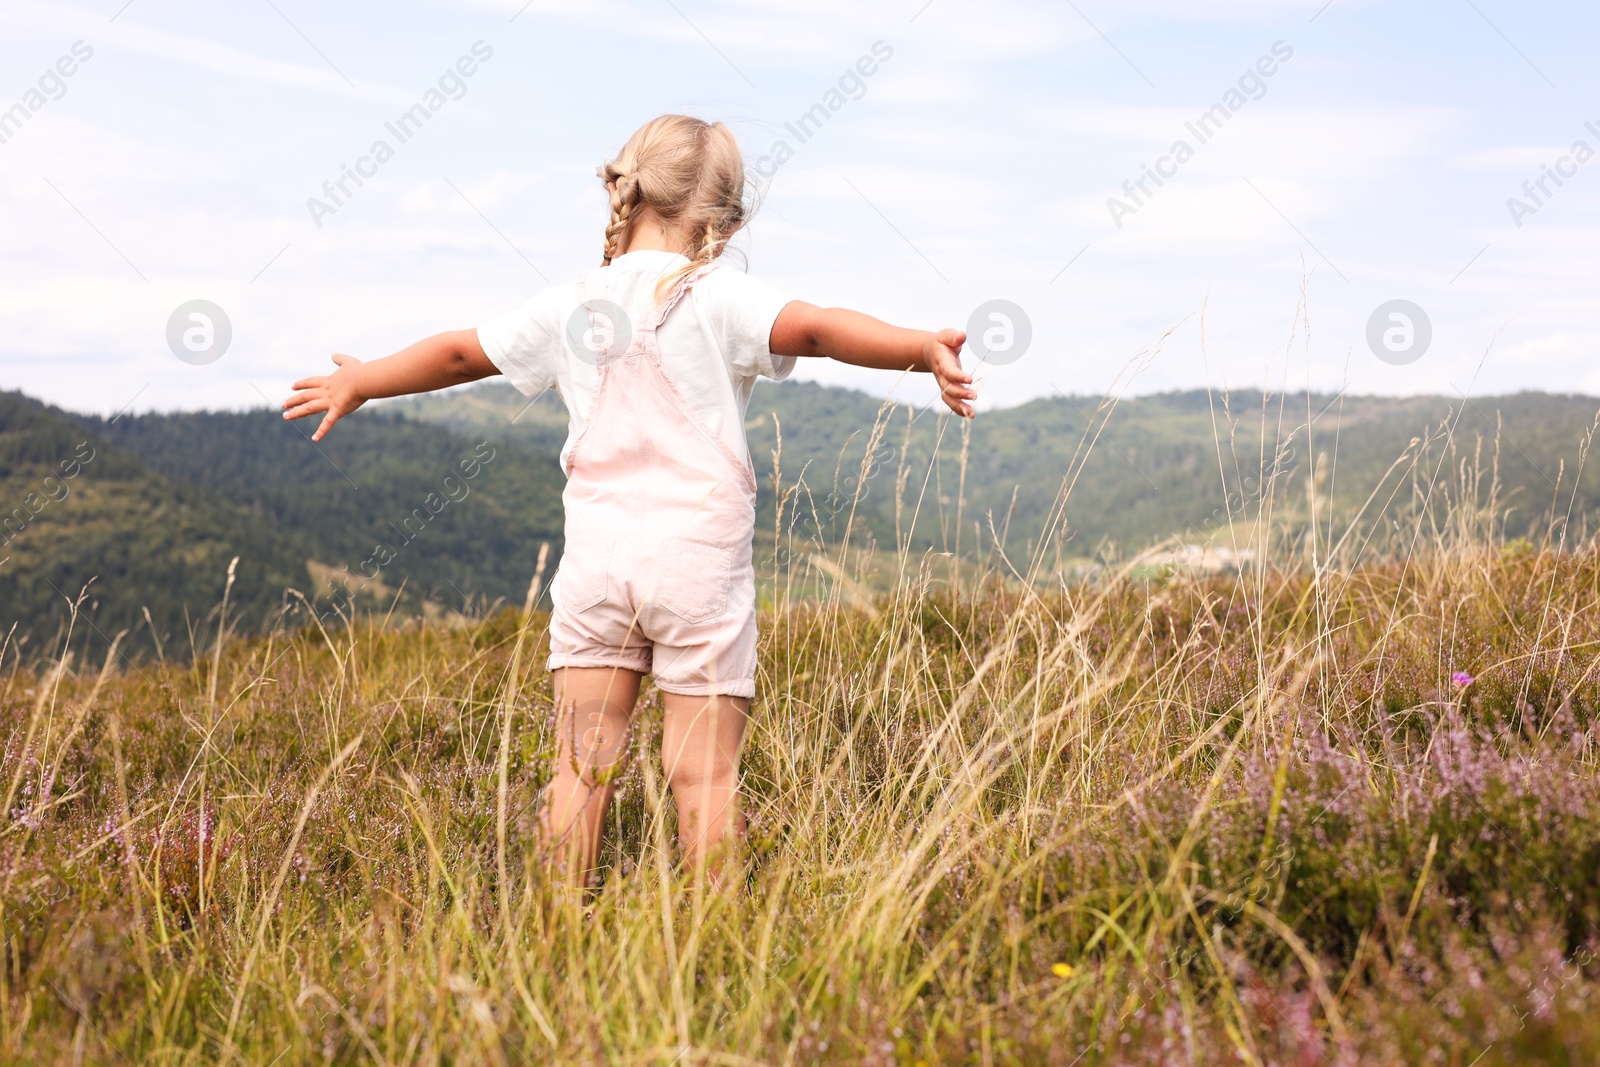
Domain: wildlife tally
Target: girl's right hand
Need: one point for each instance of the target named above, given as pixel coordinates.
(334, 394)
(803, 329)
(941, 354)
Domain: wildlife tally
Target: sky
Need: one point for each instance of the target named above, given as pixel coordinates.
(1357, 153)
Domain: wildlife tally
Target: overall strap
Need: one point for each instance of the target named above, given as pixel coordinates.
(679, 288)
(591, 294)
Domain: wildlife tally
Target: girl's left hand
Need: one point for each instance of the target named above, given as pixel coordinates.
(941, 355)
(335, 394)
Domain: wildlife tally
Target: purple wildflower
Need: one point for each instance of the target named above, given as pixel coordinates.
(1462, 679)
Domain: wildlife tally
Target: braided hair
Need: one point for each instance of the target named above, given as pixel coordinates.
(691, 174)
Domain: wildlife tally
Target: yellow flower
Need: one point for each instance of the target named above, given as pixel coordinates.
(1061, 970)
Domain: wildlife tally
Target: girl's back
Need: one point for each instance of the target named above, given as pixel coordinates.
(714, 343)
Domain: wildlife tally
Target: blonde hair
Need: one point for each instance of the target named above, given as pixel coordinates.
(691, 174)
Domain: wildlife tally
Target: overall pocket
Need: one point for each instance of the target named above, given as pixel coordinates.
(581, 578)
(694, 579)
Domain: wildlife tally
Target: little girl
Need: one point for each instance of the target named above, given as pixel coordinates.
(654, 353)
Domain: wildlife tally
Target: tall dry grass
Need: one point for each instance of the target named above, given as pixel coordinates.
(1337, 808)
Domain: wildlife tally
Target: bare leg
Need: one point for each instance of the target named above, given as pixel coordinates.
(700, 752)
(593, 707)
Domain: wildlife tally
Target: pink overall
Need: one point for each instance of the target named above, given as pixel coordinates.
(657, 572)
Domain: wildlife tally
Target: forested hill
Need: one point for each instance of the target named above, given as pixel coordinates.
(147, 511)
(1142, 470)
(81, 513)
(462, 515)
(440, 503)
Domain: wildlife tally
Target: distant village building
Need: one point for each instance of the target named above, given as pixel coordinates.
(1199, 559)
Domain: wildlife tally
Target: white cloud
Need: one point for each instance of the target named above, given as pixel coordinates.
(1509, 157)
(990, 141)
(1215, 10)
(816, 29)
(128, 34)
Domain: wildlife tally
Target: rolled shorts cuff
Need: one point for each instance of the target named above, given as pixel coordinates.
(743, 688)
(626, 660)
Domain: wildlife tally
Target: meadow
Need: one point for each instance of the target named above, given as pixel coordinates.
(1339, 807)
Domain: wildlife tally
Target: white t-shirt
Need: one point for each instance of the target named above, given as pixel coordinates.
(714, 344)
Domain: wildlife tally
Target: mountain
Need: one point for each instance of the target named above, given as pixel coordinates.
(1140, 470)
(456, 517)
(439, 504)
(81, 512)
(383, 510)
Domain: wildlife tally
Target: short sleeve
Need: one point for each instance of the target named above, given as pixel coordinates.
(525, 344)
(743, 309)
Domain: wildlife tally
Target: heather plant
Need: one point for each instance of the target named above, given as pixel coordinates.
(1339, 807)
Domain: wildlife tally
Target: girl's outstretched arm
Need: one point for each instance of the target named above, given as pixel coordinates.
(804, 329)
(441, 360)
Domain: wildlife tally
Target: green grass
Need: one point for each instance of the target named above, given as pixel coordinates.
(995, 817)
(1245, 816)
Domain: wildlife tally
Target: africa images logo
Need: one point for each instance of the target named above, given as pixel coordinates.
(1252, 85)
(51, 85)
(452, 85)
(853, 81)
(1399, 332)
(999, 332)
(598, 330)
(1564, 168)
(199, 332)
